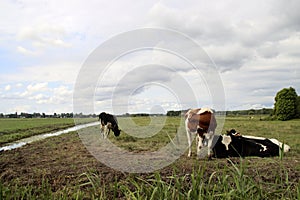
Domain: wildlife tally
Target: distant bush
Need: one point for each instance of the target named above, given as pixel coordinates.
(286, 104)
(174, 113)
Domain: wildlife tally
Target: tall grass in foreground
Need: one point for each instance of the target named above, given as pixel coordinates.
(231, 182)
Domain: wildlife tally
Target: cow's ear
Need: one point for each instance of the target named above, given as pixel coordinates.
(186, 115)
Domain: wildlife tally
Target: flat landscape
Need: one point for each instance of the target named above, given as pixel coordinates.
(14, 129)
(62, 168)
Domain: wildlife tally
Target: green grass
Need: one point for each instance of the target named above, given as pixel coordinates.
(285, 131)
(71, 174)
(231, 182)
(15, 129)
(166, 131)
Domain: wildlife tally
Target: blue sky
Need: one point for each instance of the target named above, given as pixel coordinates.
(255, 46)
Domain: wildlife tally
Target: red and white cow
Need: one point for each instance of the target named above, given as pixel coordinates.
(200, 122)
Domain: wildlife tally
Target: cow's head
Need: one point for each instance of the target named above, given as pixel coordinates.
(116, 130)
(233, 132)
(101, 115)
(200, 143)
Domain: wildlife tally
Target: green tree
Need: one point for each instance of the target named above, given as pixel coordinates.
(298, 107)
(285, 104)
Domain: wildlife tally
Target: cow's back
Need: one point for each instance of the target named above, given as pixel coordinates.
(108, 118)
(207, 121)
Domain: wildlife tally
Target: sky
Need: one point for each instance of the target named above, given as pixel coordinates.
(254, 46)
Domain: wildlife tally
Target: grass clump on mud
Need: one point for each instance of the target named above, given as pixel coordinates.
(62, 168)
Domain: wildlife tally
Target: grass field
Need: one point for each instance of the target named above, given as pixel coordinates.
(61, 168)
(15, 129)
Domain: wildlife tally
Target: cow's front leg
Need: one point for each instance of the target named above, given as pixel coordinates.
(209, 136)
(199, 145)
(189, 137)
(106, 131)
(102, 130)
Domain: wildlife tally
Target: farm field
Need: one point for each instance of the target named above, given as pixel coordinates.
(62, 168)
(15, 129)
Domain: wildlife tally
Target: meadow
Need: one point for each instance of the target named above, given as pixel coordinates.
(12, 129)
(62, 168)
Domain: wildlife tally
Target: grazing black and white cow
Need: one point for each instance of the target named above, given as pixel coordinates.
(202, 123)
(108, 122)
(235, 145)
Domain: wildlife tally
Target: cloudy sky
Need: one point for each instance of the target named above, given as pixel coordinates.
(254, 45)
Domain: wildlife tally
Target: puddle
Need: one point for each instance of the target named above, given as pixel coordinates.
(24, 141)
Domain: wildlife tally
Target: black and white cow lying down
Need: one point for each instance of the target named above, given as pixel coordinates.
(235, 145)
(108, 122)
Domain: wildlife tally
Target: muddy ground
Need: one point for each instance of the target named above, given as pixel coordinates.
(64, 160)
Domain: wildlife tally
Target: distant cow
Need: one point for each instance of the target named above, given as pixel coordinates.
(200, 122)
(108, 122)
(235, 145)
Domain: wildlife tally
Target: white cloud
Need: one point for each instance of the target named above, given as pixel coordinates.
(26, 51)
(38, 87)
(19, 85)
(34, 88)
(44, 35)
(19, 109)
(57, 72)
(39, 97)
(7, 88)
(255, 45)
(43, 94)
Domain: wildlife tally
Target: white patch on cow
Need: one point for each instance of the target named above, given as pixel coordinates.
(189, 137)
(253, 137)
(264, 148)
(226, 141)
(104, 129)
(203, 110)
(286, 148)
(275, 142)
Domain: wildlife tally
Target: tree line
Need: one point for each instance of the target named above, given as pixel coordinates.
(286, 107)
(263, 111)
(36, 115)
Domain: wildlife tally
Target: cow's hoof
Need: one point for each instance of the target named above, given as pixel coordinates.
(209, 157)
